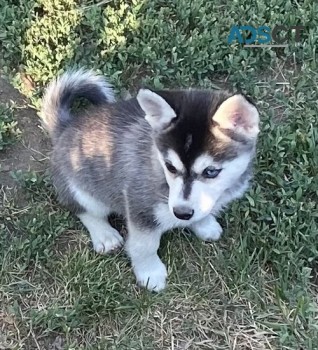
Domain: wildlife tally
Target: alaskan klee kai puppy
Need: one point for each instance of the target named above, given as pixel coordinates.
(164, 159)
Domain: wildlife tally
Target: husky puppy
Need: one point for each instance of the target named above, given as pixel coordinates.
(164, 159)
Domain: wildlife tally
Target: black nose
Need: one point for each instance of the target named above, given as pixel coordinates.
(183, 213)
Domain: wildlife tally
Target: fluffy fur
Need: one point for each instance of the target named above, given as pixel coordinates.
(164, 159)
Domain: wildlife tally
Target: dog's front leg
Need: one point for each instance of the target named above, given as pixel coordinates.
(142, 246)
(208, 229)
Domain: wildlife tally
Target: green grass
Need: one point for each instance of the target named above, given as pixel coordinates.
(9, 131)
(254, 289)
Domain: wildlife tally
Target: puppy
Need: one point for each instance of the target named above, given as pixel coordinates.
(164, 159)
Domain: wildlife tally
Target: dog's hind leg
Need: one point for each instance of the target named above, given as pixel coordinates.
(95, 218)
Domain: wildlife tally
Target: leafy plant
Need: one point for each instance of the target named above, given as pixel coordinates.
(9, 130)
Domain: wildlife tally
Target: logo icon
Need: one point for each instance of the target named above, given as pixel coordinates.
(263, 35)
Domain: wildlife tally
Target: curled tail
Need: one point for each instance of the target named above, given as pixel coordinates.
(61, 93)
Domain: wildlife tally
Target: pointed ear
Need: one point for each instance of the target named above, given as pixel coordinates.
(238, 115)
(159, 113)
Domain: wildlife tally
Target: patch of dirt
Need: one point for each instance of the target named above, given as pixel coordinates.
(30, 152)
(69, 241)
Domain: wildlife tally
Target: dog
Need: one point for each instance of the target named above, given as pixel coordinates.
(164, 159)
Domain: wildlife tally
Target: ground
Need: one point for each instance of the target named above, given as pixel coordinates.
(31, 151)
(254, 289)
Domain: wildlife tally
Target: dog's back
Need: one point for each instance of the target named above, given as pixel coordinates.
(93, 149)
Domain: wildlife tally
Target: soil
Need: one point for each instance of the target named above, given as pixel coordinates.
(30, 152)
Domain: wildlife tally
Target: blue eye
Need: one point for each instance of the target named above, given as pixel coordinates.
(210, 172)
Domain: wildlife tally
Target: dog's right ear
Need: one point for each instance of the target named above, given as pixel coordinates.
(238, 115)
(159, 113)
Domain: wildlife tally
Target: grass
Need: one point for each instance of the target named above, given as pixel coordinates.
(257, 287)
(9, 131)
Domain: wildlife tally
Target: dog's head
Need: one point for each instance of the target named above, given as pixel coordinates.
(205, 141)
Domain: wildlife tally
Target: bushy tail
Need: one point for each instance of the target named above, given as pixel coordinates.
(60, 94)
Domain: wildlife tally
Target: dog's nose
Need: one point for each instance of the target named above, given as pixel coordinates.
(183, 213)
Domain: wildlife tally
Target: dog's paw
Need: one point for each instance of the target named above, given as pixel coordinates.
(208, 229)
(152, 275)
(108, 243)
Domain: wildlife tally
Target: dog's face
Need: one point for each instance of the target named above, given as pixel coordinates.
(205, 141)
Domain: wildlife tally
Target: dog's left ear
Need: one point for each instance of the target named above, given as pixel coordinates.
(159, 113)
(239, 115)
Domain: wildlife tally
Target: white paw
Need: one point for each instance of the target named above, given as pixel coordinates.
(208, 229)
(108, 242)
(151, 274)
